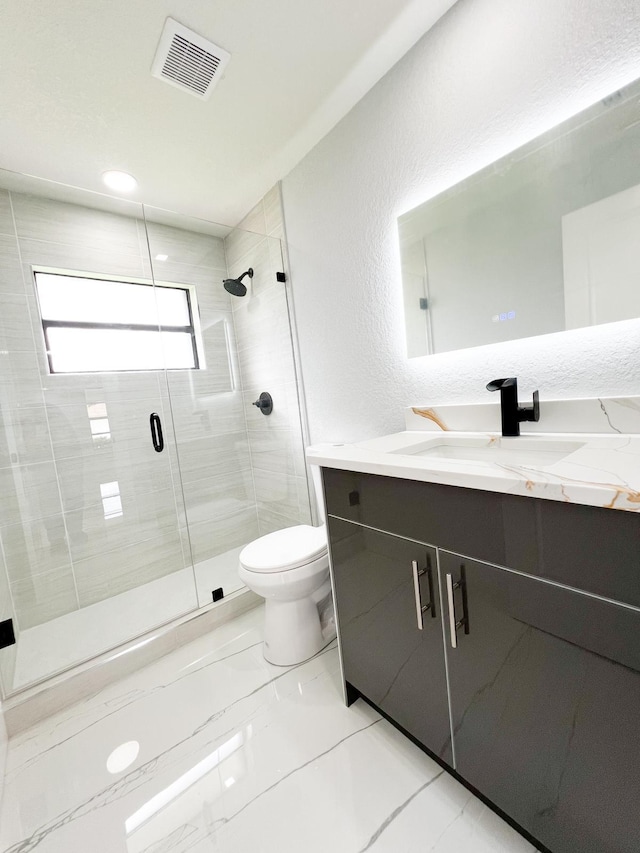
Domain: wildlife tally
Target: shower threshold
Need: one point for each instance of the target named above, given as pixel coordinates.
(77, 637)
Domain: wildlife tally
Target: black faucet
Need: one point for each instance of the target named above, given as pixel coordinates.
(510, 411)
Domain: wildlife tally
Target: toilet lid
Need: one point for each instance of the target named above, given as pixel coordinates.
(285, 549)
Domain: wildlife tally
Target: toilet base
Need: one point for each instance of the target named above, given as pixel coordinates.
(292, 632)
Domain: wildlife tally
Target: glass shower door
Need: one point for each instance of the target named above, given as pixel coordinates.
(94, 546)
(243, 474)
(207, 404)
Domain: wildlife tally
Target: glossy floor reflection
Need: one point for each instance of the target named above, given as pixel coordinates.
(213, 749)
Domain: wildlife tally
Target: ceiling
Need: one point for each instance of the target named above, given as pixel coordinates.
(77, 96)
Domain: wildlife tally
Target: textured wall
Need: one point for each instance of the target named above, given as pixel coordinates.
(491, 75)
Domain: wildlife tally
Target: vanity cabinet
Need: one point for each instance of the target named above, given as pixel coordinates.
(543, 693)
(587, 547)
(545, 697)
(391, 628)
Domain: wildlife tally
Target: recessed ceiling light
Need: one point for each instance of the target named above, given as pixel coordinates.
(121, 182)
(161, 257)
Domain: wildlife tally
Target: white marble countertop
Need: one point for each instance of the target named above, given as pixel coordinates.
(604, 471)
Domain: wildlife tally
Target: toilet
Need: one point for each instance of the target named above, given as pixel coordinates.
(290, 570)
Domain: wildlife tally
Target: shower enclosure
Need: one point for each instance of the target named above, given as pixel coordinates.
(133, 463)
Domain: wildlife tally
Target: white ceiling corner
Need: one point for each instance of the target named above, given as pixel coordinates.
(78, 96)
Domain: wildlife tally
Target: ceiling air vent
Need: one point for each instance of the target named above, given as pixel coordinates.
(186, 60)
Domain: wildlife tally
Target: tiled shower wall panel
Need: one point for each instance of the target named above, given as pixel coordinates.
(3, 752)
(10, 288)
(265, 352)
(60, 550)
(32, 534)
(207, 405)
(8, 654)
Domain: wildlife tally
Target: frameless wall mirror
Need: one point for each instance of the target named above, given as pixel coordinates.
(543, 240)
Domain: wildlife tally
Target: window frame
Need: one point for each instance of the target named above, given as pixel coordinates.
(193, 329)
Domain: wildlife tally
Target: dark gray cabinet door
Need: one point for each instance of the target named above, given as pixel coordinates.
(545, 700)
(385, 655)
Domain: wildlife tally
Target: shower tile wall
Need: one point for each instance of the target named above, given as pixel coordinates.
(266, 358)
(59, 551)
(4, 742)
(207, 405)
(6, 612)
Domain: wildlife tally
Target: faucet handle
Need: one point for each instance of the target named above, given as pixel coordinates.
(536, 406)
(530, 413)
(498, 384)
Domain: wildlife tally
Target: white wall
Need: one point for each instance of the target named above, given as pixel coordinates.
(491, 75)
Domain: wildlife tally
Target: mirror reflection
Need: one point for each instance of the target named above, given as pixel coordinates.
(543, 240)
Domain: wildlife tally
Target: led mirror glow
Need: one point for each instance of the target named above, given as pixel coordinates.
(123, 756)
(121, 182)
(541, 241)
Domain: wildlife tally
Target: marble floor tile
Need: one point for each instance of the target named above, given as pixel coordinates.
(229, 753)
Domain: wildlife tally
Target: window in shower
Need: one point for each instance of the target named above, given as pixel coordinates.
(101, 324)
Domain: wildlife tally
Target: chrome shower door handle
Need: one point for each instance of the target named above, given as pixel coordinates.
(421, 608)
(454, 624)
(157, 439)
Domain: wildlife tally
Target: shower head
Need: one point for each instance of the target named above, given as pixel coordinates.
(234, 286)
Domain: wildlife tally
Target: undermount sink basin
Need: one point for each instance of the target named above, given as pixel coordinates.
(529, 451)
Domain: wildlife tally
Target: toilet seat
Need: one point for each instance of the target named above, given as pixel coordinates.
(286, 549)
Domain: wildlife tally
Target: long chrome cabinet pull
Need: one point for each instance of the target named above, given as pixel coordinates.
(420, 607)
(464, 622)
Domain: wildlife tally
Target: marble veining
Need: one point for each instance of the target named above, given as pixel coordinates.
(430, 415)
(592, 415)
(235, 755)
(599, 469)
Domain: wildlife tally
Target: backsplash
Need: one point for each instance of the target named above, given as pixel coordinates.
(592, 415)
